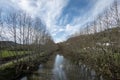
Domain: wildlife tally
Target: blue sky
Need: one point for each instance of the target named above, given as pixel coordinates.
(62, 17)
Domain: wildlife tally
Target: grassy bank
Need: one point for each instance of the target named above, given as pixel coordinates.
(14, 69)
(17, 68)
(23, 66)
(6, 53)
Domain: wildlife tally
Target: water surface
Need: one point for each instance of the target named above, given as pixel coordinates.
(59, 68)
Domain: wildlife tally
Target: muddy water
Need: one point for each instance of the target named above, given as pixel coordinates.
(59, 68)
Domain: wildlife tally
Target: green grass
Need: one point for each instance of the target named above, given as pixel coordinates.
(5, 53)
(23, 59)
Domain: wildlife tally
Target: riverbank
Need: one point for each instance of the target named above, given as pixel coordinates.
(14, 71)
(44, 70)
(100, 51)
(18, 68)
(105, 64)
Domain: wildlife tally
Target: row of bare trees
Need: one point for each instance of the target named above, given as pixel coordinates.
(105, 21)
(24, 43)
(26, 33)
(108, 19)
(102, 42)
(98, 44)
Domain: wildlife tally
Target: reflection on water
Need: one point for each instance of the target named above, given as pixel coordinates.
(58, 70)
(24, 78)
(63, 69)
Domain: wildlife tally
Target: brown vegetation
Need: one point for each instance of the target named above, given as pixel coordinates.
(98, 45)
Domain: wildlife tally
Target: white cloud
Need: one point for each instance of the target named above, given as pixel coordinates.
(8, 5)
(79, 22)
(61, 39)
(50, 10)
(100, 6)
(90, 15)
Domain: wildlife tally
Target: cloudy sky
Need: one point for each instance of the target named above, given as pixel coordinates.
(62, 17)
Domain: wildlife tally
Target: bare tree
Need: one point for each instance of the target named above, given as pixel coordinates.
(116, 12)
(1, 26)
